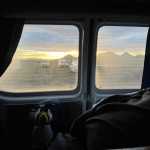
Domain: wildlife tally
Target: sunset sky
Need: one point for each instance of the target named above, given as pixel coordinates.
(48, 41)
(122, 39)
(56, 41)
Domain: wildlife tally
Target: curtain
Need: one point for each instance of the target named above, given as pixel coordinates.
(10, 33)
(146, 70)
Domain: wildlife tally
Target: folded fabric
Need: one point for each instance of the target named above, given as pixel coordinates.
(117, 121)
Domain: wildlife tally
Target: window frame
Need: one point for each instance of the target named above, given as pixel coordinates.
(106, 92)
(77, 90)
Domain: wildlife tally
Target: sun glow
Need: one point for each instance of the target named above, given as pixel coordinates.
(55, 55)
(45, 55)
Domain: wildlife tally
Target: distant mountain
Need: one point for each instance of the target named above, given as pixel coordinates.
(110, 58)
(69, 57)
(70, 61)
(126, 54)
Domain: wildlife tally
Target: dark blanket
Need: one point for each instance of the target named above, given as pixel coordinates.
(117, 121)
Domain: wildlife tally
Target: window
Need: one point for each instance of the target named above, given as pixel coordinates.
(120, 57)
(46, 60)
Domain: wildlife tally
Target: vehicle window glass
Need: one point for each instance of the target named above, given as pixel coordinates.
(46, 60)
(120, 57)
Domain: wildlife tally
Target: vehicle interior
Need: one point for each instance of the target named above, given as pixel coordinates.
(75, 76)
